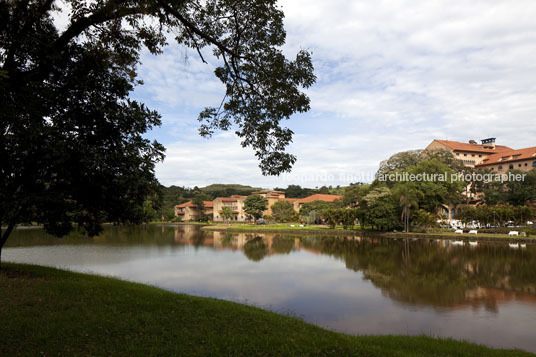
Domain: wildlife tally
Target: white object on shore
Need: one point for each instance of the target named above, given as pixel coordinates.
(301, 225)
(292, 225)
(513, 233)
(473, 231)
(458, 231)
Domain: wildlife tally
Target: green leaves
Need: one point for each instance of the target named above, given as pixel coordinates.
(255, 205)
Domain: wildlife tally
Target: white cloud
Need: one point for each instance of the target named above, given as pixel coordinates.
(392, 76)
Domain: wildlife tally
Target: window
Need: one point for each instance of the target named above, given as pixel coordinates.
(526, 164)
(457, 154)
(500, 167)
(473, 155)
(519, 165)
(511, 166)
(464, 154)
(479, 155)
(534, 164)
(492, 168)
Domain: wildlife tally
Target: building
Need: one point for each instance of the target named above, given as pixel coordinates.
(523, 160)
(487, 155)
(273, 197)
(471, 153)
(317, 197)
(235, 203)
(188, 211)
(484, 156)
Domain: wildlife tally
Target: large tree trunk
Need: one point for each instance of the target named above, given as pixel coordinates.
(3, 238)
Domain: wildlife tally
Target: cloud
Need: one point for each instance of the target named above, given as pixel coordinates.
(392, 76)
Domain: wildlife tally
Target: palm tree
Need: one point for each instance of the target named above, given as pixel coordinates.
(408, 198)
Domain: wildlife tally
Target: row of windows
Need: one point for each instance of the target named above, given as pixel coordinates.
(473, 155)
(511, 166)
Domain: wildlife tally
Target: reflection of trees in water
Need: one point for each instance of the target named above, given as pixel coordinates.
(282, 245)
(424, 272)
(112, 235)
(227, 240)
(255, 249)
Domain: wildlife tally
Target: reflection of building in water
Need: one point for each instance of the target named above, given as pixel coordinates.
(491, 298)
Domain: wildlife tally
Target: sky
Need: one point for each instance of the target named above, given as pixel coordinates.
(392, 76)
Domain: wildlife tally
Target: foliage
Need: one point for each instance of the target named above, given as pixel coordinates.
(354, 194)
(498, 215)
(255, 205)
(399, 161)
(72, 143)
(379, 209)
(425, 219)
(227, 213)
(283, 211)
(296, 191)
(436, 192)
(408, 197)
(511, 192)
(317, 206)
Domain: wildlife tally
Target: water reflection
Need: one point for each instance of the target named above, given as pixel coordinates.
(366, 285)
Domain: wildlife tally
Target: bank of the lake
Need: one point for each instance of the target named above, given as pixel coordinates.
(316, 230)
(48, 311)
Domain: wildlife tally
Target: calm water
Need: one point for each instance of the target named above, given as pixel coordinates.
(484, 293)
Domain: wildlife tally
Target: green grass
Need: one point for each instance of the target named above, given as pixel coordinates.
(45, 311)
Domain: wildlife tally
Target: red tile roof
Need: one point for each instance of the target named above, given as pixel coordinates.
(228, 199)
(207, 204)
(319, 197)
(510, 156)
(456, 145)
(289, 199)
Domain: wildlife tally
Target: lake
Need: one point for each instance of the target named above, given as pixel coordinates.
(359, 285)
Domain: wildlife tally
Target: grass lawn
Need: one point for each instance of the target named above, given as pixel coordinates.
(45, 311)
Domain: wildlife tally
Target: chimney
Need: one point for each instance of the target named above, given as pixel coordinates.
(488, 143)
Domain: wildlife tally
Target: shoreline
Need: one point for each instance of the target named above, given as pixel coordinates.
(484, 237)
(108, 316)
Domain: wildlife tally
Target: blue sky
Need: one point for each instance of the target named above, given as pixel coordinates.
(392, 76)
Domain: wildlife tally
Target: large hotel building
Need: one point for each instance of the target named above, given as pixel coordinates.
(487, 155)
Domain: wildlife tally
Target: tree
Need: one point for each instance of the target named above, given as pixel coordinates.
(380, 208)
(436, 192)
(408, 197)
(227, 213)
(425, 219)
(72, 142)
(354, 194)
(255, 205)
(283, 211)
(400, 161)
(199, 201)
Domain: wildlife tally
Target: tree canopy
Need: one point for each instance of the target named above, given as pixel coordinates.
(255, 205)
(72, 143)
